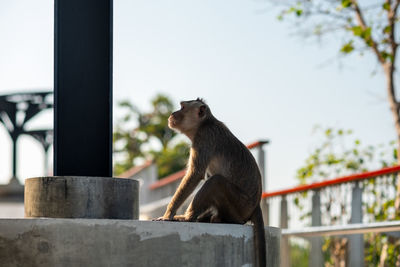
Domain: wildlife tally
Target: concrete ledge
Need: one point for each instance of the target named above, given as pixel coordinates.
(93, 242)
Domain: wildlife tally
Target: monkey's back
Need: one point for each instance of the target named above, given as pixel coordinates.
(231, 159)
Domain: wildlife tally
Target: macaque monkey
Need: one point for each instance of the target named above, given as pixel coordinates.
(232, 192)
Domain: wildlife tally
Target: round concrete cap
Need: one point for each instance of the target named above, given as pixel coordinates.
(82, 197)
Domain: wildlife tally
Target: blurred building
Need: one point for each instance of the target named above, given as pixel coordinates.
(16, 110)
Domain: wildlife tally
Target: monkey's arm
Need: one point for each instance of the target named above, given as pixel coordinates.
(198, 163)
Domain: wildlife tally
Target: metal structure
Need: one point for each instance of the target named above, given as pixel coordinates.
(16, 110)
(45, 138)
(354, 191)
(349, 229)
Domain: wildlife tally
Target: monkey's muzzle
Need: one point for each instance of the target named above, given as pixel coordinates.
(171, 122)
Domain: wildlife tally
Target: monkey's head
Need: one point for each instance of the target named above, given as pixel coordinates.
(189, 117)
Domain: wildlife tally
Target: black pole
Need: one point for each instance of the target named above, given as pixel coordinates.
(83, 88)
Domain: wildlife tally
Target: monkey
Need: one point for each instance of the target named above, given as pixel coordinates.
(232, 191)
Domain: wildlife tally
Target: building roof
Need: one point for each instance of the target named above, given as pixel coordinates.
(169, 179)
(135, 170)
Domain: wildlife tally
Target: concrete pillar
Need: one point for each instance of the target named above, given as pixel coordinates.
(356, 242)
(82, 197)
(285, 248)
(316, 256)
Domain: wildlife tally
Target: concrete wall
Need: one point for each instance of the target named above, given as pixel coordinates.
(146, 177)
(93, 242)
(153, 202)
(11, 210)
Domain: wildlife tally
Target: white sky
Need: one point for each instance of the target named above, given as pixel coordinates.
(257, 78)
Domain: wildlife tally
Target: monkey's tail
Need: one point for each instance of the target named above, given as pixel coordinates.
(259, 238)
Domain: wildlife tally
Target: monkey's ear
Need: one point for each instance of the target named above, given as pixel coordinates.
(202, 111)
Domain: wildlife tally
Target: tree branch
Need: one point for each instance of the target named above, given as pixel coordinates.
(392, 23)
(363, 25)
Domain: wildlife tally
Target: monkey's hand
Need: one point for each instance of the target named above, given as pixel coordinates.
(163, 219)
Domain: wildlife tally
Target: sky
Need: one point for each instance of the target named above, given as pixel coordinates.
(258, 77)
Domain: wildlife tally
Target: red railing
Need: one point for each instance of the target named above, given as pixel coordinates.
(337, 181)
(169, 179)
(132, 171)
(257, 144)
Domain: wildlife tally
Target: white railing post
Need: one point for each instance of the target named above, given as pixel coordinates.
(265, 210)
(356, 242)
(261, 166)
(316, 256)
(285, 248)
(261, 162)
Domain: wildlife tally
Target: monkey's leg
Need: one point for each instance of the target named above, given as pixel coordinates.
(218, 200)
(206, 216)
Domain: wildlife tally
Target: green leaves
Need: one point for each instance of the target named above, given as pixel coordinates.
(387, 29)
(360, 32)
(171, 159)
(328, 132)
(346, 3)
(387, 55)
(357, 30)
(386, 6)
(297, 10)
(336, 155)
(142, 136)
(347, 47)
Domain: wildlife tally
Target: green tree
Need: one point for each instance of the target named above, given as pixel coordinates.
(338, 154)
(127, 142)
(299, 255)
(171, 159)
(142, 136)
(367, 26)
(155, 123)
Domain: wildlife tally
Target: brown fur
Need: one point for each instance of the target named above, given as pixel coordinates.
(232, 192)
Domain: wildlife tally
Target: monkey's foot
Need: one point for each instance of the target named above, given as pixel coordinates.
(161, 219)
(176, 218)
(180, 218)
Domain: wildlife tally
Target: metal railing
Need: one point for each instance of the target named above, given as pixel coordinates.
(350, 229)
(341, 206)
